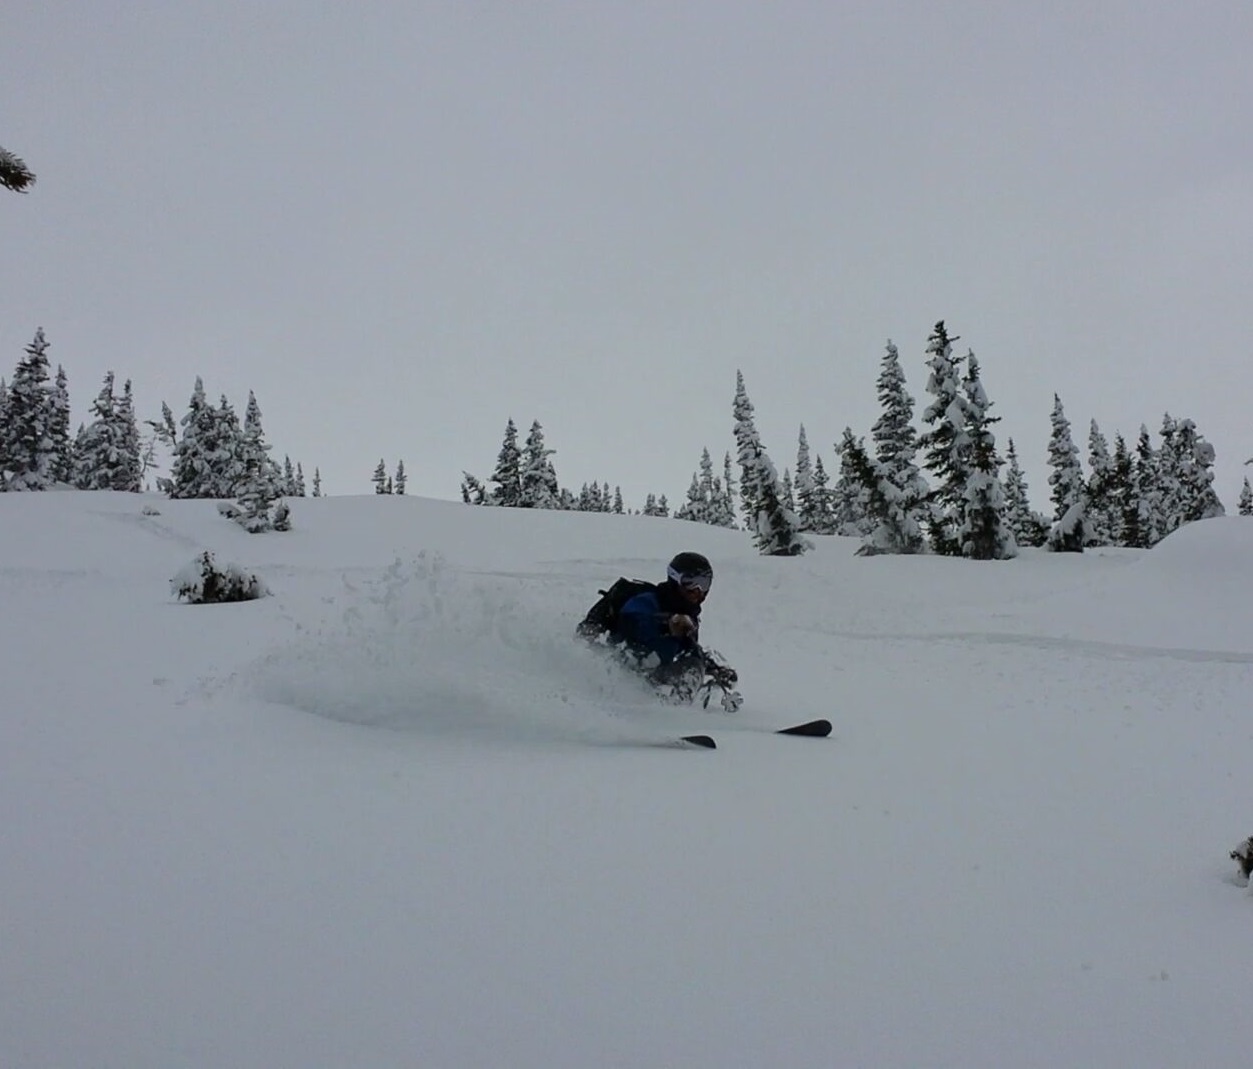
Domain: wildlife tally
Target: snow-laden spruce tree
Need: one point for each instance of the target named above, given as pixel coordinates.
(98, 449)
(1245, 505)
(774, 527)
(1193, 476)
(317, 482)
(722, 500)
(699, 505)
(540, 489)
(30, 416)
(1067, 483)
(848, 495)
(1122, 502)
(62, 441)
(4, 407)
(941, 445)
(806, 490)
(401, 479)
(983, 531)
(382, 484)
(897, 507)
(1102, 514)
(193, 473)
(1146, 496)
(259, 504)
(507, 478)
(824, 513)
(1029, 527)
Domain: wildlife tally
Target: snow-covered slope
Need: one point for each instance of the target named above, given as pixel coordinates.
(393, 816)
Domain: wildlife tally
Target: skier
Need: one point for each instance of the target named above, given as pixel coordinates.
(658, 626)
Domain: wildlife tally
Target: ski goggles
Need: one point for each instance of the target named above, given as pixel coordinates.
(693, 582)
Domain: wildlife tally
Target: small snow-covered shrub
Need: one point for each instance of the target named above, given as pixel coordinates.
(1242, 855)
(228, 509)
(203, 581)
(150, 510)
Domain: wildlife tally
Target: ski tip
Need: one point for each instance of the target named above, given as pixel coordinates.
(815, 729)
(703, 741)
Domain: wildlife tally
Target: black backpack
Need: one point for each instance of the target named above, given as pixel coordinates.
(601, 622)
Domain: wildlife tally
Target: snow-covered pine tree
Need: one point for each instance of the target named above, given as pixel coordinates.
(848, 496)
(942, 447)
(775, 528)
(699, 505)
(98, 448)
(1066, 480)
(747, 448)
(379, 478)
(1101, 519)
(786, 492)
(299, 489)
(618, 508)
(663, 506)
(129, 472)
(473, 492)
(538, 477)
(508, 474)
(1146, 495)
(289, 476)
(30, 413)
(4, 405)
(824, 517)
(259, 487)
(1028, 527)
(401, 479)
(1245, 505)
(806, 500)
(317, 482)
(190, 473)
(722, 498)
(1194, 473)
(62, 441)
(891, 529)
(983, 532)
(896, 446)
(1123, 506)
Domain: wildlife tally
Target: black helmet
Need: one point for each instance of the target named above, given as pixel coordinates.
(691, 569)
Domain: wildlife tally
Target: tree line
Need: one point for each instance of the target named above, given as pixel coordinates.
(945, 489)
(213, 454)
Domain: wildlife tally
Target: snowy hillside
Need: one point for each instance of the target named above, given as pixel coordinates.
(393, 816)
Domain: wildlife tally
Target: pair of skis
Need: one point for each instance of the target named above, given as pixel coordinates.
(811, 729)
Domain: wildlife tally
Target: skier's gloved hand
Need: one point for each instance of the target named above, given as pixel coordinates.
(682, 626)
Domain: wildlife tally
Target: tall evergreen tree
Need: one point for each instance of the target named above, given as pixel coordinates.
(983, 532)
(824, 516)
(107, 449)
(941, 445)
(1245, 505)
(317, 482)
(848, 498)
(473, 492)
(380, 477)
(806, 492)
(775, 528)
(1149, 524)
(1196, 498)
(1066, 474)
(1029, 528)
(898, 508)
(508, 474)
(192, 471)
(401, 479)
(1123, 506)
(259, 485)
(30, 416)
(538, 477)
(130, 468)
(62, 442)
(1101, 513)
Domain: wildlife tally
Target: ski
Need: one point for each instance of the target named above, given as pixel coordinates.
(812, 729)
(704, 741)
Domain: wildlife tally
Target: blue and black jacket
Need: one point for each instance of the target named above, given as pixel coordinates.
(643, 622)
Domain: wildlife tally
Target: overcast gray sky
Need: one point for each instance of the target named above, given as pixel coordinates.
(402, 224)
